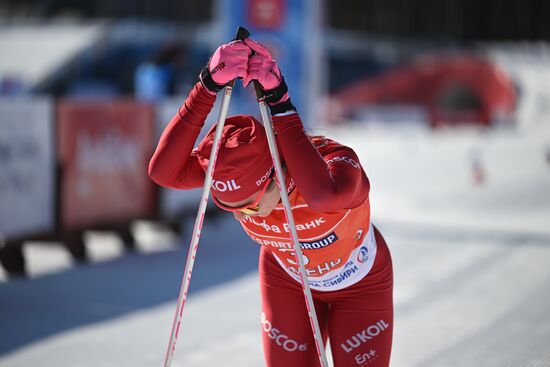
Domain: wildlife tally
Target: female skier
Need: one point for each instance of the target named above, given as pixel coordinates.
(348, 263)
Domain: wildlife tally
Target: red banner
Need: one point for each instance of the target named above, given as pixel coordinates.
(266, 14)
(104, 149)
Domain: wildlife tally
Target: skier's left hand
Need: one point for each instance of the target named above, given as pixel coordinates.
(263, 68)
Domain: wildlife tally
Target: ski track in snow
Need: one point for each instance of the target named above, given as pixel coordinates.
(472, 282)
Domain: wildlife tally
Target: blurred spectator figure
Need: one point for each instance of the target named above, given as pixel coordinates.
(477, 168)
(156, 78)
(11, 85)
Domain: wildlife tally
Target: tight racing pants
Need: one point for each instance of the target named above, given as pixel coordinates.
(358, 320)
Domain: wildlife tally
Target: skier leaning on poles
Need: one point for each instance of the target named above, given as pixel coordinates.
(347, 260)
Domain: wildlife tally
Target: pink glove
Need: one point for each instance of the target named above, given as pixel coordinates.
(228, 62)
(262, 67)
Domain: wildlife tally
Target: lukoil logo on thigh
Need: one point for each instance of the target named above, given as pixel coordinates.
(364, 336)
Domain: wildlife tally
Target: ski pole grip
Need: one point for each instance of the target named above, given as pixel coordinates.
(242, 34)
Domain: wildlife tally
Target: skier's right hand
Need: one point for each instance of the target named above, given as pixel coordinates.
(228, 62)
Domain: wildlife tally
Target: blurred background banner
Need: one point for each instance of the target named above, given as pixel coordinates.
(104, 148)
(27, 166)
(291, 30)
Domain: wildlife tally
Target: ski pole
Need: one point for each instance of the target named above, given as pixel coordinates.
(241, 35)
(266, 120)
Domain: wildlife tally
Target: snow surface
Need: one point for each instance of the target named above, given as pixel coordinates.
(472, 281)
(425, 176)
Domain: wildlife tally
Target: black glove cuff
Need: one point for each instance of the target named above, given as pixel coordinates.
(208, 82)
(274, 95)
(281, 107)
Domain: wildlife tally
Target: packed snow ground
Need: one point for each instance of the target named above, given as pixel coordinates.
(472, 281)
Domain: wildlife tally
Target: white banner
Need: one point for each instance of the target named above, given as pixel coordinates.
(175, 202)
(27, 166)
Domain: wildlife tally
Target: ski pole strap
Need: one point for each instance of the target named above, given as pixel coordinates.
(273, 96)
(206, 79)
(281, 107)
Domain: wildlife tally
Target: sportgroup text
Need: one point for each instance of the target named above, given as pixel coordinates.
(364, 336)
(304, 245)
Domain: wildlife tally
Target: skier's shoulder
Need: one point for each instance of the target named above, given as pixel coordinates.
(328, 147)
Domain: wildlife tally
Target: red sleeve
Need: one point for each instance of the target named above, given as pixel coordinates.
(173, 164)
(330, 182)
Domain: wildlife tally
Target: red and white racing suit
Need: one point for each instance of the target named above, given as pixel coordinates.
(348, 263)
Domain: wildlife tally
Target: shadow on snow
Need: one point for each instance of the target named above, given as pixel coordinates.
(32, 309)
